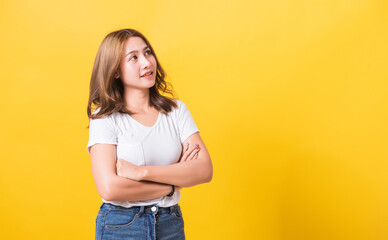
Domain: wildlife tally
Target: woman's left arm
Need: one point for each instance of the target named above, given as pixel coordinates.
(184, 173)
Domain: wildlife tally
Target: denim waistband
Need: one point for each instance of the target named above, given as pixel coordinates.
(154, 208)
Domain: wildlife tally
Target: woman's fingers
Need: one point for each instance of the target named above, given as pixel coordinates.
(194, 153)
(189, 153)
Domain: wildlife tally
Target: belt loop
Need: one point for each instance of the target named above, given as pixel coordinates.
(141, 210)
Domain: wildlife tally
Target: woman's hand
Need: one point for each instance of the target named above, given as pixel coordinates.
(189, 153)
(129, 170)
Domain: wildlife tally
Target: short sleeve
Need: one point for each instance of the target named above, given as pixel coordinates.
(186, 124)
(101, 130)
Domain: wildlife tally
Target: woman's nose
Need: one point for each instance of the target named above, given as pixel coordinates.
(145, 62)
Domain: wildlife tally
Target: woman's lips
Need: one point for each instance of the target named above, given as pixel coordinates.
(148, 76)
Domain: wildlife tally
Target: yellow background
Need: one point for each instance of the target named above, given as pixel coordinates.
(290, 97)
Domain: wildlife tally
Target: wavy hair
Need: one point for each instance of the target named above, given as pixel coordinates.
(107, 93)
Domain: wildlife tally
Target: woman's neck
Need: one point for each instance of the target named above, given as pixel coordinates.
(137, 99)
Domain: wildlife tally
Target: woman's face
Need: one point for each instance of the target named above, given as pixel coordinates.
(138, 65)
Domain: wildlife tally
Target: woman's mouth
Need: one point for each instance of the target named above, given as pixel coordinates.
(147, 74)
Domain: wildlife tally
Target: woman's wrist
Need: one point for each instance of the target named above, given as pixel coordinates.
(141, 171)
(144, 172)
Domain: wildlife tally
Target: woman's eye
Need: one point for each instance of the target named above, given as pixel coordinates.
(133, 57)
(148, 52)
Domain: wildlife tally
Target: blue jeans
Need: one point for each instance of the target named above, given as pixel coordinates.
(141, 222)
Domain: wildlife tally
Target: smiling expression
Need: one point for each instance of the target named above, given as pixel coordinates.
(138, 65)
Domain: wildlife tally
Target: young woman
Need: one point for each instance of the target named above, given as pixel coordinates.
(144, 146)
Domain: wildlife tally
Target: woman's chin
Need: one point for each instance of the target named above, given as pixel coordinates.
(143, 84)
(152, 83)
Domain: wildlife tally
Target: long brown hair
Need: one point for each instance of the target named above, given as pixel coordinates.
(107, 93)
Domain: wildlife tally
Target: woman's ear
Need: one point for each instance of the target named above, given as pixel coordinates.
(117, 75)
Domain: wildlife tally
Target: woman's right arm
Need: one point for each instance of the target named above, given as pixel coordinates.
(112, 187)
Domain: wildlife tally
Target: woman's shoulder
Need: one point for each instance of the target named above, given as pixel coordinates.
(109, 117)
(180, 106)
(180, 111)
(179, 103)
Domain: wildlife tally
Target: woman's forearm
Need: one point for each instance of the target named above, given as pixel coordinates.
(124, 189)
(184, 174)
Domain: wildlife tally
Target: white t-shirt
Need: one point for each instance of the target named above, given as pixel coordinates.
(142, 145)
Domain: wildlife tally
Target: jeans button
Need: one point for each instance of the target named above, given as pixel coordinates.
(153, 209)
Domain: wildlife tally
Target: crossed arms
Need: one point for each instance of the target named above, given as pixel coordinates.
(150, 181)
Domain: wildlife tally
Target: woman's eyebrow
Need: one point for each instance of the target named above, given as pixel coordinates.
(136, 50)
